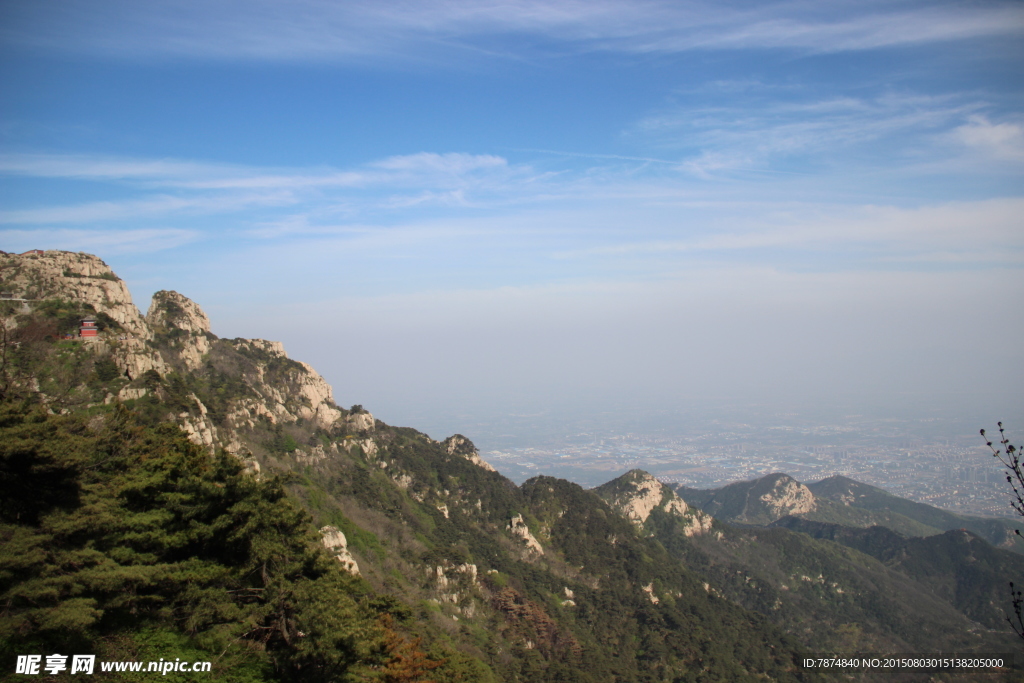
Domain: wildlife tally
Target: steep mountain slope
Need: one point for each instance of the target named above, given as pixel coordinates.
(130, 542)
(854, 494)
(832, 597)
(958, 566)
(637, 495)
(244, 395)
(839, 500)
(429, 564)
(526, 576)
(761, 501)
(502, 582)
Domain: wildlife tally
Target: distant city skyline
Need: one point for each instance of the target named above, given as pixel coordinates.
(484, 207)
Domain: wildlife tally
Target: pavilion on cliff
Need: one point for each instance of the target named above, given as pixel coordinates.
(88, 328)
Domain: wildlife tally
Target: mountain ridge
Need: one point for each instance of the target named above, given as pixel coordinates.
(540, 582)
(840, 500)
(445, 548)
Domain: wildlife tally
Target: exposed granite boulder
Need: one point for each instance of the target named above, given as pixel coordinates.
(336, 543)
(637, 494)
(788, 497)
(459, 445)
(182, 324)
(520, 530)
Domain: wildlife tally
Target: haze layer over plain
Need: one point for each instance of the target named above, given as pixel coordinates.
(458, 207)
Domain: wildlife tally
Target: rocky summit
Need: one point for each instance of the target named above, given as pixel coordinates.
(637, 495)
(170, 493)
(174, 337)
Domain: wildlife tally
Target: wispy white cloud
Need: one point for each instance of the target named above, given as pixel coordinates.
(159, 206)
(169, 187)
(752, 134)
(83, 167)
(846, 27)
(888, 233)
(106, 242)
(625, 241)
(452, 163)
(423, 166)
(323, 30)
(1003, 141)
(424, 205)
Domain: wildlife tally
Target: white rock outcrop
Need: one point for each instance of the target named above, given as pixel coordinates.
(175, 335)
(641, 493)
(646, 494)
(460, 446)
(134, 357)
(336, 543)
(649, 589)
(170, 311)
(315, 389)
(520, 530)
(698, 523)
(369, 447)
(198, 427)
(455, 585)
(303, 393)
(85, 279)
(360, 422)
(789, 497)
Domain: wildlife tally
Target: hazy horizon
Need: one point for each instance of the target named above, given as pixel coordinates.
(457, 211)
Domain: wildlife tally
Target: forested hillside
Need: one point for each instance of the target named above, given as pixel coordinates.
(205, 497)
(172, 494)
(843, 501)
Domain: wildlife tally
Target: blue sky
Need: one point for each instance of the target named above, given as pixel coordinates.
(450, 207)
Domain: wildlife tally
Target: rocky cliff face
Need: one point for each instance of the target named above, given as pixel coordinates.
(336, 543)
(244, 395)
(788, 497)
(637, 494)
(74, 277)
(87, 281)
(459, 445)
(183, 326)
(283, 391)
(517, 525)
(761, 501)
(171, 351)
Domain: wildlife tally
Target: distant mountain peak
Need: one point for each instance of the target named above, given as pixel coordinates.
(637, 494)
(760, 501)
(429, 525)
(787, 496)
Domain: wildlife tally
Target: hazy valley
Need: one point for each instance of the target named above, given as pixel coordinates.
(942, 462)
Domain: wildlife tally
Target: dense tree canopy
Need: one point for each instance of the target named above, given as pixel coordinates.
(110, 528)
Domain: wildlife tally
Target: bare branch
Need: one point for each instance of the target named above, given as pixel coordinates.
(1009, 456)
